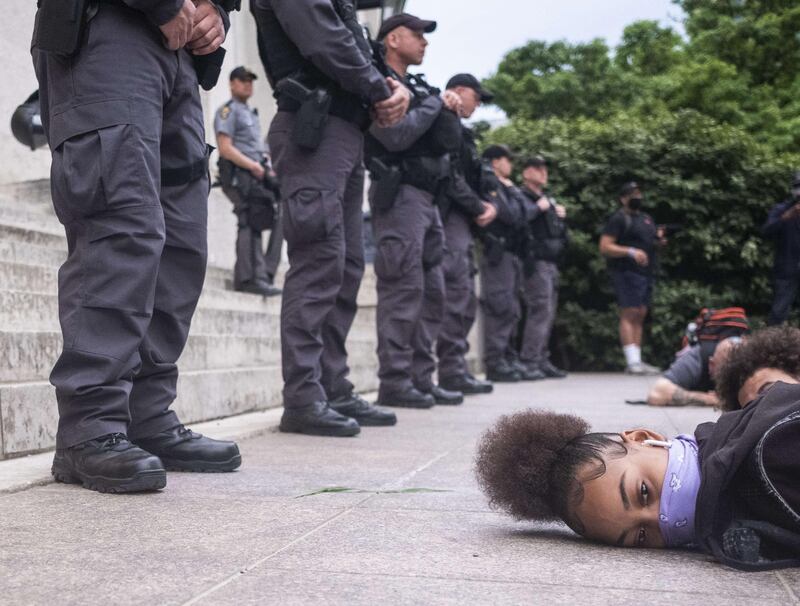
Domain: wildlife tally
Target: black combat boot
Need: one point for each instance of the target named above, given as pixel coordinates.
(110, 463)
(408, 398)
(531, 372)
(502, 372)
(367, 415)
(318, 419)
(466, 384)
(181, 449)
(443, 396)
(552, 372)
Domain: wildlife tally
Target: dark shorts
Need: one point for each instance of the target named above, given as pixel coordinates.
(631, 288)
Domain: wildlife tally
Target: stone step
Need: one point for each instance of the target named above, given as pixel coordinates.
(44, 279)
(24, 311)
(36, 192)
(34, 254)
(30, 415)
(30, 356)
(11, 231)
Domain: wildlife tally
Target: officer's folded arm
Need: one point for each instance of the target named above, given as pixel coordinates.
(318, 32)
(410, 128)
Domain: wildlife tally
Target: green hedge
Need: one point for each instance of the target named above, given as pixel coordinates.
(715, 179)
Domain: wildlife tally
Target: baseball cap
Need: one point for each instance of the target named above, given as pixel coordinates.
(629, 188)
(471, 81)
(242, 73)
(410, 21)
(534, 162)
(494, 152)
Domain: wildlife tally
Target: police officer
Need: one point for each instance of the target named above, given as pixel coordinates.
(130, 185)
(242, 170)
(548, 239)
(321, 65)
(461, 207)
(409, 165)
(500, 267)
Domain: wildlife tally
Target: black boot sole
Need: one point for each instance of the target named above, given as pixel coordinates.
(503, 379)
(200, 466)
(417, 405)
(144, 481)
(326, 432)
(453, 402)
(367, 422)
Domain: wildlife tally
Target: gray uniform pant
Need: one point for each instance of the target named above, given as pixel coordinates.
(272, 258)
(136, 251)
(409, 248)
(461, 304)
(322, 193)
(541, 300)
(500, 286)
(251, 265)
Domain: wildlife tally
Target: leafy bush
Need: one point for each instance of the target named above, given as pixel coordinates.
(709, 129)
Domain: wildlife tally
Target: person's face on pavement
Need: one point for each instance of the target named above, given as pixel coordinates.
(761, 381)
(621, 507)
(407, 44)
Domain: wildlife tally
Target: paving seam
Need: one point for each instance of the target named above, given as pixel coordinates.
(496, 581)
(313, 531)
(785, 583)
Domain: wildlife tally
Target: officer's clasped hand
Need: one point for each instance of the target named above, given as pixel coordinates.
(452, 101)
(489, 215)
(390, 111)
(178, 30)
(209, 30)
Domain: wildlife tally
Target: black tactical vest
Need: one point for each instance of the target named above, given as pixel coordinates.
(282, 58)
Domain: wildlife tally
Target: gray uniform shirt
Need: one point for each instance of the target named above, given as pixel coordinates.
(687, 370)
(240, 123)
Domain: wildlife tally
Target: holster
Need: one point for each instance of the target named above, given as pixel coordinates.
(385, 185)
(60, 26)
(207, 68)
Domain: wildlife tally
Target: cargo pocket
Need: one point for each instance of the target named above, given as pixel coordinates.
(392, 258)
(498, 303)
(311, 216)
(100, 161)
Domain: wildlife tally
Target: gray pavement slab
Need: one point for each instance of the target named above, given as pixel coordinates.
(412, 528)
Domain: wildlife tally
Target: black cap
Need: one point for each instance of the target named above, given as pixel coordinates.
(628, 188)
(410, 21)
(242, 73)
(471, 81)
(534, 162)
(494, 152)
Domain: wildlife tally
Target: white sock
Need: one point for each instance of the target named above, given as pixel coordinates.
(633, 354)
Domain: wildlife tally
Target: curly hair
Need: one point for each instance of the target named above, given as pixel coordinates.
(777, 347)
(533, 463)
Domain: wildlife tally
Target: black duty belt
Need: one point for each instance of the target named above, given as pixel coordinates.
(175, 177)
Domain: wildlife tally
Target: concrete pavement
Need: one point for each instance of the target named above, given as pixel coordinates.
(392, 516)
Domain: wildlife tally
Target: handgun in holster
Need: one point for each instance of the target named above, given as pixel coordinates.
(494, 248)
(312, 116)
(384, 185)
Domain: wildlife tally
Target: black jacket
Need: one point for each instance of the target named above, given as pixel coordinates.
(787, 240)
(748, 505)
(462, 192)
(548, 233)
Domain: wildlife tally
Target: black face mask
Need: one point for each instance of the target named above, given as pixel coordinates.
(635, 203)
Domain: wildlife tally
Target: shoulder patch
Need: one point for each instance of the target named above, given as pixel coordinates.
(225, 112)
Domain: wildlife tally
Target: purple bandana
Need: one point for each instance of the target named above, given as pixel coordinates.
(679, 493)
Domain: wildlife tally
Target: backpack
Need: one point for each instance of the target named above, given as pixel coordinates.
(710, 328)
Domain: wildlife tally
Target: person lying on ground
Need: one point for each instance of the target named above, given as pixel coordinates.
(732, 489)
(767, 357)
(690, 380)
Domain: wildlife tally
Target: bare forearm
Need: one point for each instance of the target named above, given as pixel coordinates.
(230, 153)
(682, 397)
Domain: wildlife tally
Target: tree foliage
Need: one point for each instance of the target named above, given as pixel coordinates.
(707, 123)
